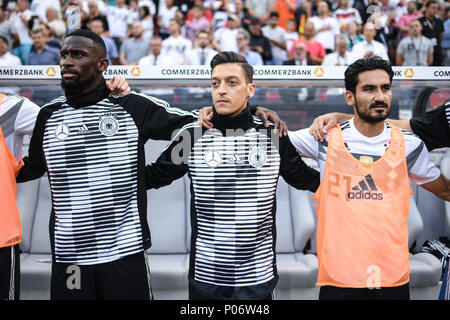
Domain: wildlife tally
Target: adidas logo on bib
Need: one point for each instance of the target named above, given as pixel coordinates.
(366, 190)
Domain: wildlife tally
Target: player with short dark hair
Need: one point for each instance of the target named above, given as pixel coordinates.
(234, 171)
(363, 199)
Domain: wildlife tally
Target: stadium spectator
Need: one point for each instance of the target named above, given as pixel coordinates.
(202, 54)
(119, 18)
(316, 51)
(146, 15)
(155, 57)
(8, 31)
(446, 39)
(303, 15)
(415, 50)
(72, 12)
(341, 57)
(344, 14)
(97, 25)
(412, 14)
(19, 19)
(369, 47)
(201, 3)
(300, 55)
(48, 40)
(94, 12)
(166, 11)
(41, 53)
(176, 44)
(220, 15)
(225, 37)
(325, 27)
(387, 31)
(258, 42)
(133, 7)
(277, 38)
(259, 9)
(135, 47)
(39, 7)
(199, 22)
(291, 34)
(286, 10)
(6, 57)
(56, 25)
(353, 34)
(242, 12)
(300, 59)
(433, 29)
(243, 42)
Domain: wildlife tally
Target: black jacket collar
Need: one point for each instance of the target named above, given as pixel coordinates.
(99, 93)
(243, 121)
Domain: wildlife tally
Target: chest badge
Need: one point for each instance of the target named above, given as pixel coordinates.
(213, 159)
(62, 131)
(108, 126)
(257, 157)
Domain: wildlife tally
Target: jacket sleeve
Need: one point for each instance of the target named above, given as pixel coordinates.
(294, 170)
(172, 164)
(34, 164)
(433, 127)
(154, 118)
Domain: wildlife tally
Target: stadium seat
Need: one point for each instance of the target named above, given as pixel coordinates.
(425, 268)
(295, 225)
(168, 214)
(169, 255)
(34, 203)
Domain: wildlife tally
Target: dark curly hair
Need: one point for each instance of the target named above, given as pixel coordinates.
(233, 57)
(365, 64)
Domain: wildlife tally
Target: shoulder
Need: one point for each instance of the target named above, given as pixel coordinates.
(191, 130)
(54, 103)
(411, 140)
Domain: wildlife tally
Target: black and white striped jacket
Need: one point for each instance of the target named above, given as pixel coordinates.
(93, 150)
(234, 172)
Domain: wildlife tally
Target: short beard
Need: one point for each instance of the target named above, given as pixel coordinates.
(76, 87)
(379, 117)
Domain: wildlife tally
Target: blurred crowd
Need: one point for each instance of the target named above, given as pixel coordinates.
(269, 32)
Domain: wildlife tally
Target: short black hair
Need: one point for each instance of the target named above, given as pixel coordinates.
(233, 57)
(274, 14)
(104, 22)
(430, 2)
(365, 64)
(98, 41)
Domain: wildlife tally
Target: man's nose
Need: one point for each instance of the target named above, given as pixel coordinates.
(68, 61)
(222, 88)
(379, 95)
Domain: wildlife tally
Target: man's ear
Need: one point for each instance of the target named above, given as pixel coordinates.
(250, 90)
(102, 64)
(350, 98)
